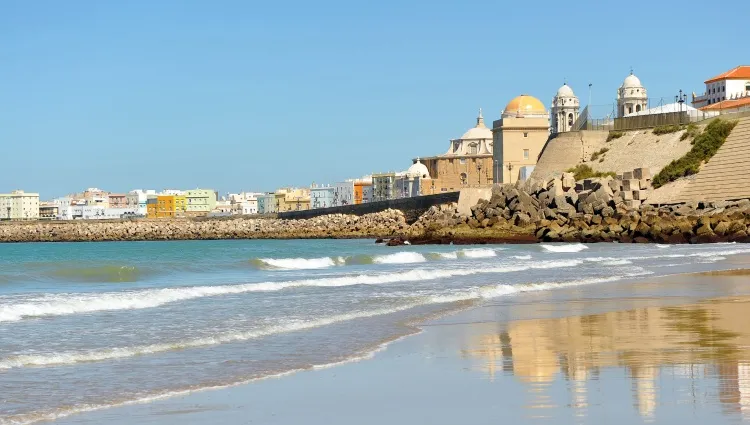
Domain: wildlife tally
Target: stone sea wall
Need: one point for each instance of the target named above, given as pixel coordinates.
(383, 224)
(594, 210)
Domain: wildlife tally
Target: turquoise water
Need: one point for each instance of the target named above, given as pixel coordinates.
(92, 325)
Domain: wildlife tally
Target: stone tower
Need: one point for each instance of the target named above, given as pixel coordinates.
(631, 97)
(564, 112)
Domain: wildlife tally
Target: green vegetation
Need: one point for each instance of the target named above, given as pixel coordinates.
(614, 135)
(705, 146)
(691, 131)
(583, 171)
(596, 155)
(666, 129)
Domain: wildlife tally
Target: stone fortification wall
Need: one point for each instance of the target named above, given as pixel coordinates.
(411, 207)
(381, 224)
(593, 210)
(634, 149)
(566, 150)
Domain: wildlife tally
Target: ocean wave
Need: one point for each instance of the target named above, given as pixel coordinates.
(67, 304)
(477, 253)
(404, 257)
(294, 263)
(68, 358)
(522, 257)
(574, 247)
(106, 273)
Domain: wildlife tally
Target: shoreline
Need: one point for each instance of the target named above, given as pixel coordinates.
(382, 355)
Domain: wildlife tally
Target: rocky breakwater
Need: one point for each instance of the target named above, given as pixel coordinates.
(592, 210)
(383, 224)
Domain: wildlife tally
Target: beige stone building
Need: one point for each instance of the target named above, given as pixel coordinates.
(468, 162)
(19, 205)
(519, 137)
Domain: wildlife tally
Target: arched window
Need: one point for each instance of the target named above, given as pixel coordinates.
(463, 178)
(570, 119)
(630, 110)
(637, 108)
(473, 149)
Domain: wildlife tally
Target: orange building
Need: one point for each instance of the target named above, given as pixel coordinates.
(360, 190)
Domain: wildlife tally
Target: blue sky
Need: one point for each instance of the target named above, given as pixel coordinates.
(248, 95)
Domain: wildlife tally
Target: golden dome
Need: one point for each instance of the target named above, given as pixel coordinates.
(525, 105)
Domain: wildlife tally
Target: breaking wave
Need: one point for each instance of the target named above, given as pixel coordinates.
(67, 304)
(293, 263)
(575, 247)
(485, 292)
(399, 258)
(477, 253)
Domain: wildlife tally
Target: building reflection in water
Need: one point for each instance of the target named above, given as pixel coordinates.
(704, 347)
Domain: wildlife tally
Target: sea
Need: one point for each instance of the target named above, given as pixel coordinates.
(90, 326)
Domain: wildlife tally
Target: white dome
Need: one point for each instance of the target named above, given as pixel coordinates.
(565, 91)
(478, 133)
(418, 170)
(631, 81)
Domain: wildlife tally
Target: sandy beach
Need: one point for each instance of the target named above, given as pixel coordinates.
(670, 350)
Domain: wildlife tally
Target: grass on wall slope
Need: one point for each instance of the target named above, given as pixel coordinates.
(705, 145)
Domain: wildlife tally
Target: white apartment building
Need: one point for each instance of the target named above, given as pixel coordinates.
(731, 85)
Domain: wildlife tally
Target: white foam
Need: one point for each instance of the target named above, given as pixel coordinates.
(448, 255)
(67, 358)
(299, 263)
(67, 304)
(522, 257)
(478, 253)
(662, 246)
(399, 258)
(575, 247)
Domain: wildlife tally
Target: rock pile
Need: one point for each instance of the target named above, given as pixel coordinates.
(385, 223)
(597, 210)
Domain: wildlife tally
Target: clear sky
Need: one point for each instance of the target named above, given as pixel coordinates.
(250, 95)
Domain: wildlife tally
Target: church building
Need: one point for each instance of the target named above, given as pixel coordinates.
(564, 112)
(519, 137)
(468, 162)
(631, 97)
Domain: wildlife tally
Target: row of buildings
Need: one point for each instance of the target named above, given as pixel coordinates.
(506, 152)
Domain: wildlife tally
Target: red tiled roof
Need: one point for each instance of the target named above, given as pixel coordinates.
(740, 72)
(727, 104)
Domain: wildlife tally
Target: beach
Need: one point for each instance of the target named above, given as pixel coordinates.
(562, 333)
(670, 350)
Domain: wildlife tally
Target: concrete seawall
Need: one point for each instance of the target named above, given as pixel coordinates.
(411, 207)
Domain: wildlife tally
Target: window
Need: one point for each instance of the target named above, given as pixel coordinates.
(525, 134)
(462, 161)
(637, 108)
(525, 154)
(747, 86)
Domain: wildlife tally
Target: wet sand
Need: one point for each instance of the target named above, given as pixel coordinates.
(674, 350)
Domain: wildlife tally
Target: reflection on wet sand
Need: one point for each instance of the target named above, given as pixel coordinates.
(703, 349)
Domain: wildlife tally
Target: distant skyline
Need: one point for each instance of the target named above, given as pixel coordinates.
(237, 95)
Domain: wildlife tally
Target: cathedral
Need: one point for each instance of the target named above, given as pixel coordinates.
(467, 163)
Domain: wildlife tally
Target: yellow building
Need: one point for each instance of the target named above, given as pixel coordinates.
(292, 199)
(180, 205)
(518, 138)
(165, 206)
